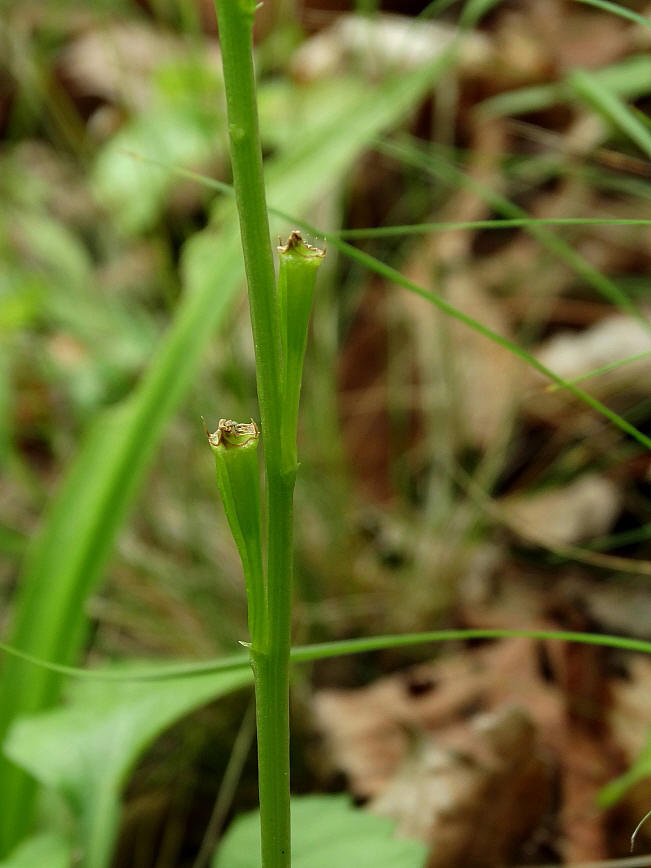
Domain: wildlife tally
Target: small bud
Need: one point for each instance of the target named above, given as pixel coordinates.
(235, 446)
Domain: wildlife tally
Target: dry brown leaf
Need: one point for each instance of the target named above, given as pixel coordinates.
(474, 804)
(630, 720)
(581, 510)
(468, 379)
(630, 715)
(618, 607)
(420, 746)
(367, 731)
(383, 43)
(572, 354)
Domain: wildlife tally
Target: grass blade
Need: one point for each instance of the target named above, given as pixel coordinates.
(396, 277)
(506, 223)
(616, 9)
(603, 369)
(326, 650)
(611, 107)
(629, 79)
(450, 174)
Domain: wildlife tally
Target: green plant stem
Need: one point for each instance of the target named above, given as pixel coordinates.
(235, 29)
(271, 677)
(270, 655)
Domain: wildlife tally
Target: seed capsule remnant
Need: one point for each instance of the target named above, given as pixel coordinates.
(235, 445)
(295, 244)
(298, 264)
(231, 433)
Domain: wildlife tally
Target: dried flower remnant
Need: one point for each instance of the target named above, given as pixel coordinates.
(296, 244)
(231, 433)
(235, 446)
(297, 271)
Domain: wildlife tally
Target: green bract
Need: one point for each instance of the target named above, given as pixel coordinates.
(235, 445)
(296, 279)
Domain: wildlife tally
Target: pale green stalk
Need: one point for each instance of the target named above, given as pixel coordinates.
(270, 656)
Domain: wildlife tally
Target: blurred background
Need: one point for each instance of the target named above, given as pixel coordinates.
(442, 484)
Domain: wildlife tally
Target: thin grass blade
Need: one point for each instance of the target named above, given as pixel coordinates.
(611, 107)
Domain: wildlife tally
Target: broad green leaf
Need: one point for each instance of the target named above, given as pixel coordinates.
(86, 749)
(21, 298)
(135, 194)
(48, 277)
(41, 851)
(69, 555)
(180, 125)
(54, 247)
(326, 831)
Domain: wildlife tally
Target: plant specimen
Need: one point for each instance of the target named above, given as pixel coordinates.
(279, 320)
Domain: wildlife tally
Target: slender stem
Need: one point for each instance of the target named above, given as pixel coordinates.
(270, 654)
(235, 30)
